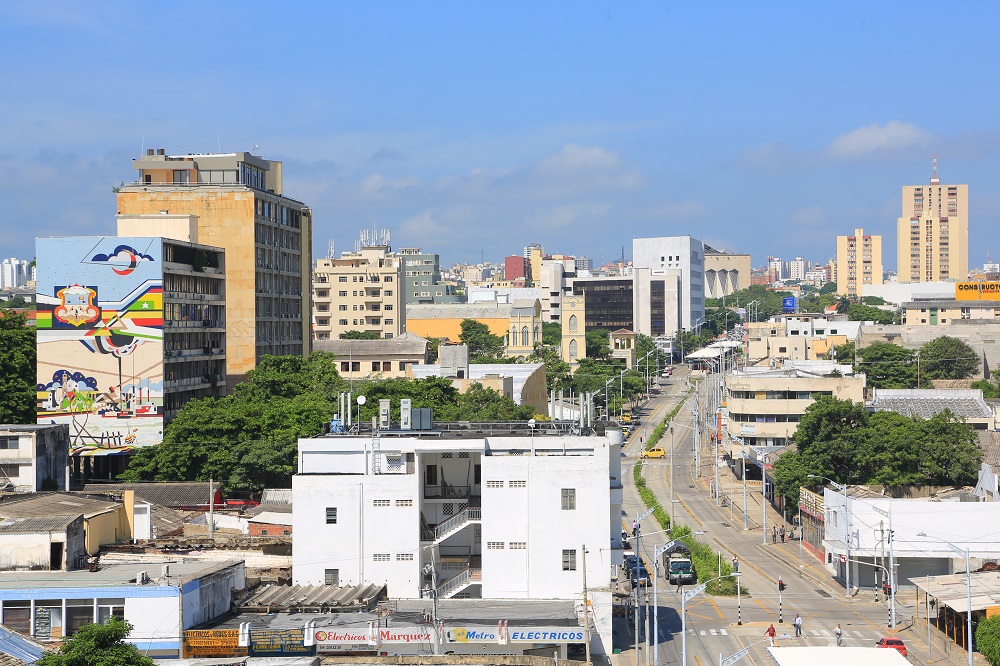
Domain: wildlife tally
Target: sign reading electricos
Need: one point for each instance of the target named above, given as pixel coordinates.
(980, 290)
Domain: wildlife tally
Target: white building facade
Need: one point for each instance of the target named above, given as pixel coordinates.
(669, 292)
(471, 516)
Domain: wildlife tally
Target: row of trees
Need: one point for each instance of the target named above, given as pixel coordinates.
(17, 369)
(247, 440)
(893, 367)
(841, 440)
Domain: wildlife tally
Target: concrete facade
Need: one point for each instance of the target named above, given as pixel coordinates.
(267, 237)
(725, 272)
(932, 234)
(385, 357)
(679, 257)
(573, 345)
(797, 338)
(34, 457)
(361, 291)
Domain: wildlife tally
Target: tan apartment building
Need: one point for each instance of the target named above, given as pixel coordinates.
(932, 234)
(240, 205)
(725, 272)
(766, 403)
(385, 358)
(859, 262)
(361, 291)
(935, 312)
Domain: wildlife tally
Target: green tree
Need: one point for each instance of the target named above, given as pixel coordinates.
(948, 358)
(887, 366)
(557, 374)
(828, 288)
(98, 645)
(551, 334)
(872, 300)
(598, 345)
(988, 639)
(360, 335)
(858, 312)
(432, 349)
(17, 369)
(989, 389)
(484, 347)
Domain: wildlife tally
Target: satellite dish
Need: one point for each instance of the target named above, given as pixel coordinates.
(362, 399)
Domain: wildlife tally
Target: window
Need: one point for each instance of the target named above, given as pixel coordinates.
(388, 292)
(342, 293)
(494, 484)
(8, 443)
(388, 322)
(387, 307)
(404, 557)
(376, 366)
(345, 366)
(343, 322)
(381, 557)
(386, 366)
(569, 560)
(494, 545)
(406, 502)
(381, 502)
(569, 499)
(331, 515)
(477, 475)
(263, 532)
(331, 576)
(431, 475)
(342, 307)
(518, 545)
(356, 366)
(388, 278)
(518, 484)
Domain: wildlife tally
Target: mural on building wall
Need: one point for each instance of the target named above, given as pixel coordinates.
(100, 338)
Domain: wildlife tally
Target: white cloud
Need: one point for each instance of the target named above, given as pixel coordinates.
(575, 214)
(874, 139)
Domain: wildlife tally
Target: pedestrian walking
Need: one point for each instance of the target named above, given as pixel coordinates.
(770, 633)
(736, 564)
(781, 533)
(774, 535)
(635, 527)
(680, 584)
(839, 633)
(798, 625)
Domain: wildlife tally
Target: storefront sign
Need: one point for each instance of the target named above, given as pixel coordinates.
(471, 635)
(279, 643)
(546, 635)
(345, 640)
(213, 643)
(980, 290)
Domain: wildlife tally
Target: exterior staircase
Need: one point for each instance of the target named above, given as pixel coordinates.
(459, 582)
(454, 524)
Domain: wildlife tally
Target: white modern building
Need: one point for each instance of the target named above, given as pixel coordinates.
(669, 290)
(15, 273)
(469, 514)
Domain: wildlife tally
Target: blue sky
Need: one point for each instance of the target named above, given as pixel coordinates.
(473, 128)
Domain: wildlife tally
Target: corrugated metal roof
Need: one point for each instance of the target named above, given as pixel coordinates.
(926, 403)
(330, 597)
(272, 518)
(53, 503)
(183, 493)
(276, 496)
(36, 524)
(19, 647)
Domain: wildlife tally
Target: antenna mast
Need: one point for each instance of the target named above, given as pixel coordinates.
(934, 174)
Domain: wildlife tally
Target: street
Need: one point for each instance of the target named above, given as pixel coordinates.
(726, 625)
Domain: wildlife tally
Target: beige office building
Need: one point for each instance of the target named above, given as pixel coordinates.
(360, 291)
(859, 262)
(933, 233)
(725, 272)
(237, 203)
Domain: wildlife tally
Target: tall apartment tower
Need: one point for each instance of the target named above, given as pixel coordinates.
(859, 262)
(932, 235)
(362, 291)
(267, 238)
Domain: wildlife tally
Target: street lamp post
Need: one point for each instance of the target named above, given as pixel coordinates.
(698, 589)
(671, 478)
(847, 528)
(968, 590)
(892, 568)
(638, 561)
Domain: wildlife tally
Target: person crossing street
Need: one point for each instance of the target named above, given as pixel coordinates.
(798, 625)
(839, 633)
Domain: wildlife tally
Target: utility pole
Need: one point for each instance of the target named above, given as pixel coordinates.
(586, 606)
(211, 509)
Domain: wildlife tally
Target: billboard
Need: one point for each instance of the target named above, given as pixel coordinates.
(788, 304)
(100, 338)
(980, 290)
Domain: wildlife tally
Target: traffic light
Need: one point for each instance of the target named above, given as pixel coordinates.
(781, 585)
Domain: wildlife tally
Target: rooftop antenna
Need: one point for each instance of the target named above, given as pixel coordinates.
(330, 254)
(218, 140)
(256, 147)
(934, 175)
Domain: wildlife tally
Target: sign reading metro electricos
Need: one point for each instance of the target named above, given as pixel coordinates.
(979, 290)
(522, 635)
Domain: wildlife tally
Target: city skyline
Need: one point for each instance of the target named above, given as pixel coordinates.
(469, 129)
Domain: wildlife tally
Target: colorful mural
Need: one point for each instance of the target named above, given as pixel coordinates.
(100, 338)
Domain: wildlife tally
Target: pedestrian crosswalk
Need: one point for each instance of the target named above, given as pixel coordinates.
(713, 632)
(854, 636)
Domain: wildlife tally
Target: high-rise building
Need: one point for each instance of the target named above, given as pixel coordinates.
(797, 268)
(14, 273)
(361, 291)
(932, 242)
(859, 262)
(669, 277)
(240, 206)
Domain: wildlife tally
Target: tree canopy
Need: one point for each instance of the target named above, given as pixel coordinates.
(840, 440)
(858, 312)
(360, 335)
(248, 440)
(484, 347)
(948, 358)
(17, 369)
(887, 366)
(98, 645)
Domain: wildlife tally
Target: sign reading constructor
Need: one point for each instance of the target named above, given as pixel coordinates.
(980, 290)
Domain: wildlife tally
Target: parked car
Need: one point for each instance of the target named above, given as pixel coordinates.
(639, 576)
(894, 643)
(653, 453)
(632, 561)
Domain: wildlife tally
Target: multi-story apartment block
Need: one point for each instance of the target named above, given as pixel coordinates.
(422, 277)
(361, 291)
(34, 457)
(933, 232)
(240, 206)
(515, 268)
(15, 273)
(797, 268)
(130, 329)
(463, 514)
(859, 262)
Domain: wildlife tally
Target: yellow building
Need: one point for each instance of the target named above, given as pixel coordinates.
(518, 323)
(574, 328)
(240, 206)
(385, 357)
(725, 272)
(361, 291)
(859, 262)
(932, 235)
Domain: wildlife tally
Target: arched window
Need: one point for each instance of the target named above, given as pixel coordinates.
(572, 324)
(573, 350)
(525, 340)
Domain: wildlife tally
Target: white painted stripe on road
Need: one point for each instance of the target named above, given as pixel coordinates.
(859, 634)
(816, 632)
(723, 632)
(713, 632)
(703, 633)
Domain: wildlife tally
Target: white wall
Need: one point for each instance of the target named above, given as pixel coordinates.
(153, 619)
(676, 252)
